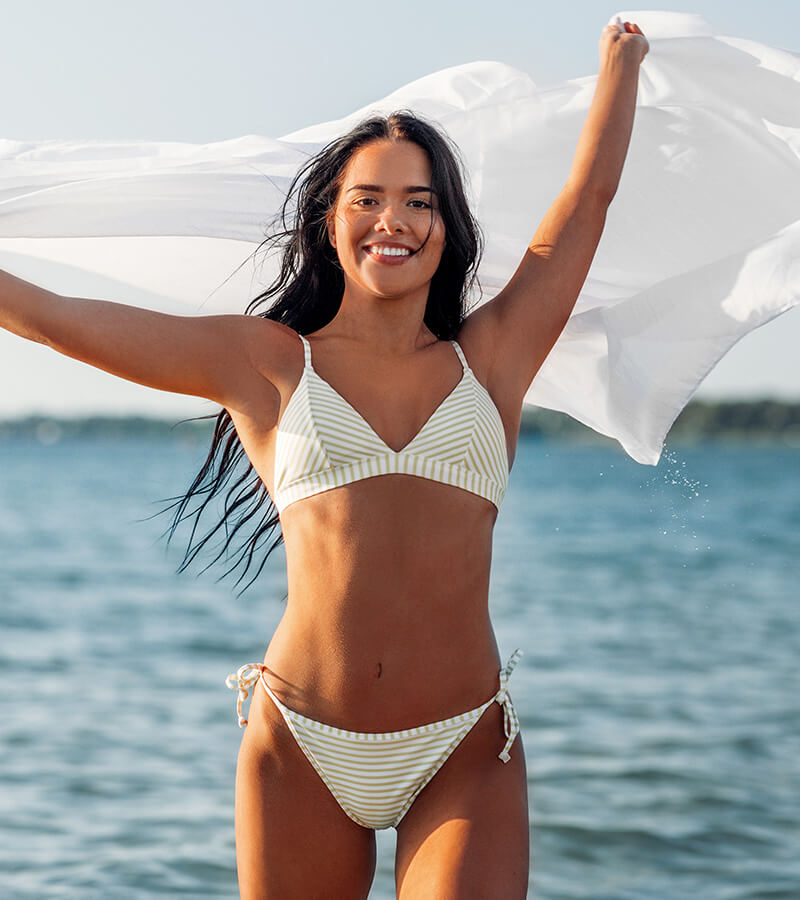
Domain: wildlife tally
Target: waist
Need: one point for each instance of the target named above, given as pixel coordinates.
(367, 678)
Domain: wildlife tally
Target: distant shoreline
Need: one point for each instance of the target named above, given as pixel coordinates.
(744, 420)
(739, 420)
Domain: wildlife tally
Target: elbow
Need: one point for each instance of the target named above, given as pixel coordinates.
(602, 194)
(596, 193)
(37, 332)
(47, 325)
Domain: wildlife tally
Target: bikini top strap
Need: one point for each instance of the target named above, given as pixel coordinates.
(306, 352)
(461, 356)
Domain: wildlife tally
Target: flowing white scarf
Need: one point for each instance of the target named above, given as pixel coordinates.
(701, 244)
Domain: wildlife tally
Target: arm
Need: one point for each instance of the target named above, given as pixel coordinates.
(208, 356)
(515, 331)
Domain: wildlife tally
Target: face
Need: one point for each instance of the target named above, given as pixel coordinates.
(386, 226)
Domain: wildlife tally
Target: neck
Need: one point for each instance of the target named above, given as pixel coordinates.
(390, 326)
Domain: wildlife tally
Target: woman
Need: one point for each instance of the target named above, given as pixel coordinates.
(384, 435)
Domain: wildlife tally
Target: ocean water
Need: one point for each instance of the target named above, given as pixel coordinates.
(659, 692)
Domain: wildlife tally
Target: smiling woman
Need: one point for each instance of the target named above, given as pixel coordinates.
(382, 605)
(375, 422)
(370, 419)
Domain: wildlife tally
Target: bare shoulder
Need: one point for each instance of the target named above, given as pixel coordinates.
(478, 339)
(273, 356)
(274, 349)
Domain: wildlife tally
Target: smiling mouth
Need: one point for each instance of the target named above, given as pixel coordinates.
(385, 251)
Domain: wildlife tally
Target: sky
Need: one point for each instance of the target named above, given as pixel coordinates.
(206, 71)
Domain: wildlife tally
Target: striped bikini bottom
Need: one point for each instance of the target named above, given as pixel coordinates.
(375, 777)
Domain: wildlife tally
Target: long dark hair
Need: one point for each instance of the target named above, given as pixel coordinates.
(306, 295)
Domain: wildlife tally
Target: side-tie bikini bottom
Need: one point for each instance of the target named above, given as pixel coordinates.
(375, 777)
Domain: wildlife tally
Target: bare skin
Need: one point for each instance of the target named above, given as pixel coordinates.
(387, 622)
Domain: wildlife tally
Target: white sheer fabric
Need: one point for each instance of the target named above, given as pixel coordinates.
(702, 241)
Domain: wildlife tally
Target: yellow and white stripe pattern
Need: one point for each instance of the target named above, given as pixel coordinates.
(375, 777)
(324, 443)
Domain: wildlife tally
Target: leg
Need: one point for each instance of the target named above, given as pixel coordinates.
(466, 835)
(293, 841)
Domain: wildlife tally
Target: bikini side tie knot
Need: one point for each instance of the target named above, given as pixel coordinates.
(510, 717)
(244, 679)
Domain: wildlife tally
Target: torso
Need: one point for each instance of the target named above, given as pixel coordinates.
(387, 623)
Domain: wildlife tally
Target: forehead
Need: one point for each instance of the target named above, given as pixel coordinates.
(389, 163)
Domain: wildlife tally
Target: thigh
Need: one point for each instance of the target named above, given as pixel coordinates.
(466, 836)
(292, 838)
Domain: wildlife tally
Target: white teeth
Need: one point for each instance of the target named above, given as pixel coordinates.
(390, 251)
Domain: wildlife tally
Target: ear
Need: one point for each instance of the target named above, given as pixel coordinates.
(331, 231)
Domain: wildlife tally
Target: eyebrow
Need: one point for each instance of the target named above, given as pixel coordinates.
(377, 189)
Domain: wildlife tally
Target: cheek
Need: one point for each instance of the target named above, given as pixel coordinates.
(438, 233)
(438, 238)
(346, 228)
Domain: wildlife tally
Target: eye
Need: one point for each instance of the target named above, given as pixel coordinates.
(364, 201)
(419, 204)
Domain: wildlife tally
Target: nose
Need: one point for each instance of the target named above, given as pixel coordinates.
(389, 221)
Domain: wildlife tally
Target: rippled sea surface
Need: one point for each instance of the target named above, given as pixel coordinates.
(659, 611)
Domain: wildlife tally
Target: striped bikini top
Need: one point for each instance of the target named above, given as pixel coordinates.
(324, 443)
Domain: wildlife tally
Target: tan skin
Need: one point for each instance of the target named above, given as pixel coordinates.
(387, 622)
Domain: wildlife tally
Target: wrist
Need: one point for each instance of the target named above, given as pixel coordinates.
(621, 62)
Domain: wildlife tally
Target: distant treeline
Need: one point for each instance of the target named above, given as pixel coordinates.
(700, 421)
(49, 429)
(761, 420)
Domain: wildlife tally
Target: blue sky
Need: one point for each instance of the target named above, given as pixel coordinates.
(205, 71)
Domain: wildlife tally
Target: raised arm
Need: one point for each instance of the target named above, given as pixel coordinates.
(514, 332)
(217, 357)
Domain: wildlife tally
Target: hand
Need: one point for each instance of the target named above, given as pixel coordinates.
(624, 37)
